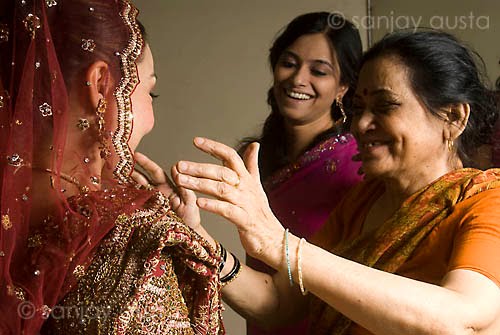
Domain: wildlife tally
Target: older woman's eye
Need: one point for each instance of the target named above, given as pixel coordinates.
(154, 96)
(386, 106)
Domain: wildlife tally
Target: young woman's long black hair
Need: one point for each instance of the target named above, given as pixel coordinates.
(345, 40)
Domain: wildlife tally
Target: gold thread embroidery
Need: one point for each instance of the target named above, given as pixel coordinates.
(16, 291)
(32, 23)
(35, 241)
(6, 223)
(79, 271)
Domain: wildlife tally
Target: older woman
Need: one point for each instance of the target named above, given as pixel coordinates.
(414, 249)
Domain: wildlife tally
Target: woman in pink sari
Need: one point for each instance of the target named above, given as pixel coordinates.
(495, 155)
(306, 152)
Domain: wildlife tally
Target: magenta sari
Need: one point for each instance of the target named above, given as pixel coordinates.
(303, 194)
(495, 155)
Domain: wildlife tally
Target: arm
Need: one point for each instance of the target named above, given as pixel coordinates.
(384, 303)
(265, 299)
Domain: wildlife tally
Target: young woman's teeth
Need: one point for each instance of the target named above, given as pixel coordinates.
(301, 96)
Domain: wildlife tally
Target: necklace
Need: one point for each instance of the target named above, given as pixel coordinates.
(83, 189)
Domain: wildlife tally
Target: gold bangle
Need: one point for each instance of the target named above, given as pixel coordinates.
(299, 267)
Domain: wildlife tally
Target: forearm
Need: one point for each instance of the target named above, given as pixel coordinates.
(381, 302)
(252, 295)
(263, 299)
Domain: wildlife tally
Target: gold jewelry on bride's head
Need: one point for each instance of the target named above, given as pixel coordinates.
(101, 110)
(83, 124)
(4, 33)
(32, 23)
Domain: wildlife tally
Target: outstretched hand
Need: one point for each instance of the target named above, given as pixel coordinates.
(182, 201)
(239, 196)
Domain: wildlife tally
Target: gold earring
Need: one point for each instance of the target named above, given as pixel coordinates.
(101, 110)
(451, 144)
(340, 105)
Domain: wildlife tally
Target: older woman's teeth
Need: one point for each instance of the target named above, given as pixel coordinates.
(300, 96)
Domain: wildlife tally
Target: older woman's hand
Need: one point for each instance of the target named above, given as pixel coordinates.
(239, 195)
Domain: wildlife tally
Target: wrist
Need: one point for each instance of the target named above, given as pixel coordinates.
(230, 266)
(227, 261)
(276, 255)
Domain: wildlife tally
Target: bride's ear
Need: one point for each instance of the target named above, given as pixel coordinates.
(98, 82)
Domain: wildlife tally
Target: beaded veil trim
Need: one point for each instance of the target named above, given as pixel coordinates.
(122, 94)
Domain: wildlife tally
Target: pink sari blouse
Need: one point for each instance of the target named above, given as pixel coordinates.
(303, 194)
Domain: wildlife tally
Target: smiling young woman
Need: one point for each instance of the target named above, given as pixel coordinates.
(306, 150)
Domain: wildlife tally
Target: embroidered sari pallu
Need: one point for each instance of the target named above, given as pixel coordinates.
(452, 223)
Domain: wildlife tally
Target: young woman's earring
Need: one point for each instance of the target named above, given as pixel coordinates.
(340, 105)
(88, 83)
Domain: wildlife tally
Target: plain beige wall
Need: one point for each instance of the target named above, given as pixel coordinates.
(475, 22)
(211, 61)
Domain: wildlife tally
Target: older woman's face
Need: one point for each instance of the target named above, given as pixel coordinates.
(396, 134)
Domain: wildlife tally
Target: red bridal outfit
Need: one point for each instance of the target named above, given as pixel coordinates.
(82, 248)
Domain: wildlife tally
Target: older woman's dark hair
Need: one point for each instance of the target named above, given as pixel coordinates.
(442, 72)
(344, 39)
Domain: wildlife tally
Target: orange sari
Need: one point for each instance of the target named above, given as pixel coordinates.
(444, 226)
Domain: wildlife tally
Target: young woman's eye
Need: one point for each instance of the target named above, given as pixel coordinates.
(287, 64)
(318, 73)
(154, 96)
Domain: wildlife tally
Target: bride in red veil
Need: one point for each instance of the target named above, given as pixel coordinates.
(83, 248)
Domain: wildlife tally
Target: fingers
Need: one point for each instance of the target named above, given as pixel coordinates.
(222, 152)
(153, 169)
(251, 159)
(224, 209)
(214, 188)
(188, 196)
(140, 178)
(156, 173)
(208, 171)
(175, 202)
